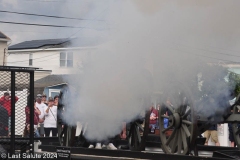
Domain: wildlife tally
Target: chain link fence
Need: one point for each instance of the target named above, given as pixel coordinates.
(16, 107)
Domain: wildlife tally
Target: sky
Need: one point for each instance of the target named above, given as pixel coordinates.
(92, 11)
(214, 21)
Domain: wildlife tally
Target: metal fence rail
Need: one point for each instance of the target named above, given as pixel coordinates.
(16, 97)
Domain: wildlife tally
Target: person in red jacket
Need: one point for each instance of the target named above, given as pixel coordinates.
(153, 118)
(37, 112)
(5, 101)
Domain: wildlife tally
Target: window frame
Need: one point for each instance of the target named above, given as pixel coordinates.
(66, 59)
(30, 62)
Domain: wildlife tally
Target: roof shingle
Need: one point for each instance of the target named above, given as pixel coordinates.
(34, 44)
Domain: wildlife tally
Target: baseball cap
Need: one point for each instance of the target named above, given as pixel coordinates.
(39, 96)
(50, 99)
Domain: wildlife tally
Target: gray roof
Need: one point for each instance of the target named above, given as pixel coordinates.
(66, 42)
(35, 44)
(4, 36)
(52, 80)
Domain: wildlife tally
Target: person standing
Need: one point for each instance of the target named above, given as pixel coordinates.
(230, 128)
(40, 105)
(5, 101)
(44, 99)
(153, 118)
(231, 138)
(56, 100)
(212, 132)
(50, 122)
(37, 112)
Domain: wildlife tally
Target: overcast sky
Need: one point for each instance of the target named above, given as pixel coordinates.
(94, 11)
(199, 26)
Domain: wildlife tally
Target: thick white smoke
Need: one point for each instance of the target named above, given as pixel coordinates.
(145, 54)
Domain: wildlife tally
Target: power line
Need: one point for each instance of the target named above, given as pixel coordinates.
(72, 34)
(27, 32)
(43, 15)
(89, 22)
(42, 25)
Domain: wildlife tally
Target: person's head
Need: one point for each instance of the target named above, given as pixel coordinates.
(56, 98)
(158, 106)
(28, 101)
(50, 101)
(7, 95)
(152, 106)
(39, 98)
(44, 97)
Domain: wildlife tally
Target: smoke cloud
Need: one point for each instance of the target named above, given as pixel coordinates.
(151, 47)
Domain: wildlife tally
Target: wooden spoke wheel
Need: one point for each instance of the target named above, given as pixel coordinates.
(137, 134)
(180, 134)
(236, 126)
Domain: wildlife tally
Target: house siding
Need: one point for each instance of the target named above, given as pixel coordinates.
(47, 60)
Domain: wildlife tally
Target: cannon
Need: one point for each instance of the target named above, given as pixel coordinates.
(66, 132)
(185, 124)
(186, 120)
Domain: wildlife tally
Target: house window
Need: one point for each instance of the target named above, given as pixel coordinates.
(30, 59)
(66, 59)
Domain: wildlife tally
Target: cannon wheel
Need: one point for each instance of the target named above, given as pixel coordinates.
(235, 127)
(182, 123)
(137, 141)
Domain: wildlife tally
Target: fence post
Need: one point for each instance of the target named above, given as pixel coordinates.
(31, 112)
(12, 150)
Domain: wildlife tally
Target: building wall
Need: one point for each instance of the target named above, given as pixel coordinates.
(46, 90)
(3, 45)
(48, 60)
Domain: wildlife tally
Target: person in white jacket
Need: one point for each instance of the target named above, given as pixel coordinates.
(50, 123)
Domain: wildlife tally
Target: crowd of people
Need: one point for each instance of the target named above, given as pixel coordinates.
(45, 116)
(45, 120)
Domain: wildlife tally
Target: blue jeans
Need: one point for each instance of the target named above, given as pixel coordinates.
(165, 121)
(36, 133)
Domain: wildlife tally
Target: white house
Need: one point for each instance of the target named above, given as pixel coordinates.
(53, 56)
(4, 42)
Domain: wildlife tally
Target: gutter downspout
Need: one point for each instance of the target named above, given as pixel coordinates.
(4, 54)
